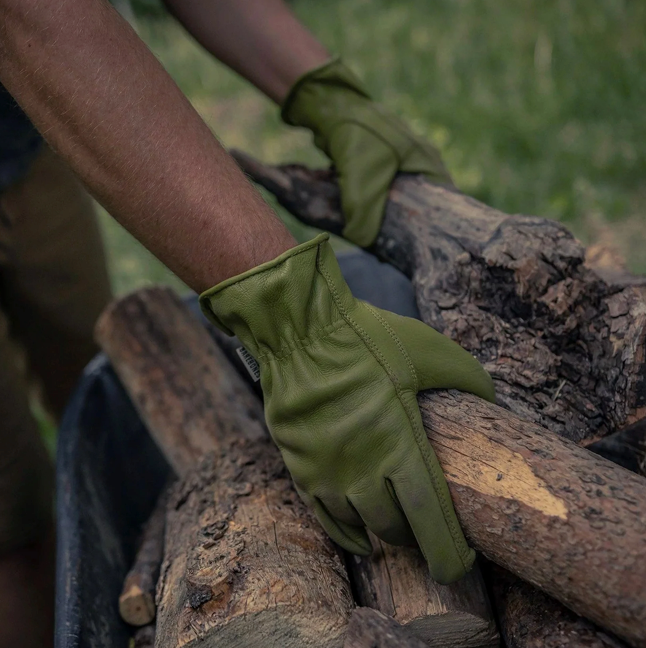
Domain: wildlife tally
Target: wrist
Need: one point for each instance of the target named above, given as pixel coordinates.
(283, 304)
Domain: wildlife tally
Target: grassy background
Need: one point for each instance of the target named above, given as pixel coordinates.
(538, 107)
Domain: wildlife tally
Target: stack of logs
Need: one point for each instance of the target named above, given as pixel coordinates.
(231, 557)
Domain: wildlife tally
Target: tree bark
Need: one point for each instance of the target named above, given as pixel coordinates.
(137, 600)
(245, 563)
(565, 348)
(371, 629)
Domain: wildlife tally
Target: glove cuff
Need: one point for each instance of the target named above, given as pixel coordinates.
(281, 305)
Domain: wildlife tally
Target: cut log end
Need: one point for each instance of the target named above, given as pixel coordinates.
(136, 606)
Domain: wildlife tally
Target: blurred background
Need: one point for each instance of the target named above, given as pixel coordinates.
(539, 106)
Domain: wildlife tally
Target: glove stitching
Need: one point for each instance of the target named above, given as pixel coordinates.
(302, 343)
(456, 533)
(397, 341)
(421, 439)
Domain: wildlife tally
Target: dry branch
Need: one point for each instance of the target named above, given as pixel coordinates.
(530, 619)
(137, 600)
(566, 349)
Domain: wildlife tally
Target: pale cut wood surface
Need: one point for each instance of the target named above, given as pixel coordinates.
(137, 600)
(395, 581)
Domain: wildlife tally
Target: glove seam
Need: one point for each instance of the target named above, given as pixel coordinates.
(456, 534)
(420, 435)
(303, 343)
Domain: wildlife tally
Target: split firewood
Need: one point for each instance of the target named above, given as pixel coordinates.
(396, 581)
(137, 600)
(245, 563)
(566, 351)
(371, 629)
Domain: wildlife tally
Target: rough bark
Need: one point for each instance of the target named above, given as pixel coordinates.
(372, 629)
(396, 581)
(530, 619)
(549, 511)
(245, 563)
(137, 600)
(564, 343)
(565, 348)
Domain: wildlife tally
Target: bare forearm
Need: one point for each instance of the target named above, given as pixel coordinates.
(260, 39)
(104, 103)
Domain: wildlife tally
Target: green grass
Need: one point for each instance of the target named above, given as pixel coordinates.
(538, 107)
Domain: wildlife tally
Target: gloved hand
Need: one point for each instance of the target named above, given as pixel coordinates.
(340, 380)
(367, 145)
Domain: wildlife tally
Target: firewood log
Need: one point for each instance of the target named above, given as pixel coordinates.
(144, 637)
(371, 629)
(566, 350)
(245, 563)
(137, 600)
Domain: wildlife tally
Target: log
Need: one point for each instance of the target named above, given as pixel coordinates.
(565, 348)
(626, 447)
(530, 619)
(137, 600)
(245, 563)
(396, 581)
(371, 629)
(144, 637)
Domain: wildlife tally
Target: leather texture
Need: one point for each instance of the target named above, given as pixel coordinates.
(367, 145)
(340, 381)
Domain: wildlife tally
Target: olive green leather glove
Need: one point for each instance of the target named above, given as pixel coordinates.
(340, 381)
(367, 145)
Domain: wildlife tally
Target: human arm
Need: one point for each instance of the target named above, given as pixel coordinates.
(263, 41)
(106, 105)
